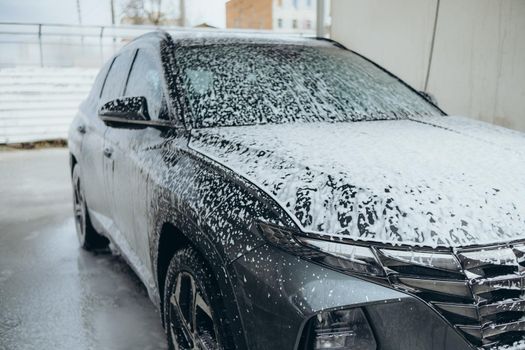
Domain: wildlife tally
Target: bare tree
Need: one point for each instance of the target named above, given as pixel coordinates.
(133, 12)
(156, 12)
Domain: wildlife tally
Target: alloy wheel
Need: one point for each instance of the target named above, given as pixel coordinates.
(191, 321)
(79, 209)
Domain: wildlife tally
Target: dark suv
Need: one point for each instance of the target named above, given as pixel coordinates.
(287, 193)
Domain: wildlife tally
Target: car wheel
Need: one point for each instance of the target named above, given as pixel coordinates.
(88, 238)
(192, 305)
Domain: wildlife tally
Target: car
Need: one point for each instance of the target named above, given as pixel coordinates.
(288, 193)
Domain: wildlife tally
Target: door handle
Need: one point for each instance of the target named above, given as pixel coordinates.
(81, 129)
(108, 152)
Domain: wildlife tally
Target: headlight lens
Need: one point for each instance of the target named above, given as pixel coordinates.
(346, 256)
(343, 330)
(342, 256)
(442, 261)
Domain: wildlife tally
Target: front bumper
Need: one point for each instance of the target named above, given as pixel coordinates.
(278, 293)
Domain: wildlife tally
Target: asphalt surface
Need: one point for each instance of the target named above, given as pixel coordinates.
(53, 295)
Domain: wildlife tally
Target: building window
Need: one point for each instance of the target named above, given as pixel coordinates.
(279, 22)
(308, 24)
(309, 3)
(296, 3)
(294, 24)
(280, 3)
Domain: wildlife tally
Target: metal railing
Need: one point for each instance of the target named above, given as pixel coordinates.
(40, 44)
(29, 108)
(70, 45)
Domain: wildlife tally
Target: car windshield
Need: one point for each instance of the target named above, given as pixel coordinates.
(247, 84)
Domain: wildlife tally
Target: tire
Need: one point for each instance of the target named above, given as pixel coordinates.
(88, 238)
(191, 293)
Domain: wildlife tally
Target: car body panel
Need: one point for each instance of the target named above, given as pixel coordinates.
(85, 139)
(412, 181)
(279, 292)
(208, 185)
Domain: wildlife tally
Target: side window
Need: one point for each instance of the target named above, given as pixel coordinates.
(116, 78)
(145, 80)
(94, 94)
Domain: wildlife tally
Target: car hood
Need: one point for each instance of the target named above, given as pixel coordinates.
(440, 181)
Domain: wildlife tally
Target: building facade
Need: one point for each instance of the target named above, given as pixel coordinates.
(287, 16)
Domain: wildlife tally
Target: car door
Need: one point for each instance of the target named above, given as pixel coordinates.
(90, 159)
(92, 165)
(130, 148)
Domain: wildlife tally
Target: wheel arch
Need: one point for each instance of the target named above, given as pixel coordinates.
(173, 238)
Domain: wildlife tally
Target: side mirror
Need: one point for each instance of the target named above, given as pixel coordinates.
(429, 97)
(125, 110)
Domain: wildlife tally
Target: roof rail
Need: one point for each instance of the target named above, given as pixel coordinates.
(332, 41)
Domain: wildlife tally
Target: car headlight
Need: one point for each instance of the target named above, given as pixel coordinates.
(434, 260)
(346, 256)
(342, 330)
(342, 256)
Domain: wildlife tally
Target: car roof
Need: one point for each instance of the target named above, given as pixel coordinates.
(217, 37)
(199, 37)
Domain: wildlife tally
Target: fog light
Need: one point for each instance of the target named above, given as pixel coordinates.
(343, 330)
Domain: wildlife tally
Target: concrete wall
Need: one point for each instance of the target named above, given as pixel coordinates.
(478, 63)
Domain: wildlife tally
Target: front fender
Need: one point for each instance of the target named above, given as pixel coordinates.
(221, 270)
(214, 210)
(278, 293)
(212, 200)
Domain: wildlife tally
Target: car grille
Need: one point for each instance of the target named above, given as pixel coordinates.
(485, 300)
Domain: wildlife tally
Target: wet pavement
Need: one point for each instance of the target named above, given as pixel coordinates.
(53, 295)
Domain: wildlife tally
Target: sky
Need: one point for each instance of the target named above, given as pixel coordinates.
(98, 12)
